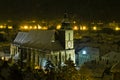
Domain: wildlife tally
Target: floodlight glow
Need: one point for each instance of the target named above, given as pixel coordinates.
(44, 63)
(84, 52)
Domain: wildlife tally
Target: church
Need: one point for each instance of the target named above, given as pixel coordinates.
(36, 47)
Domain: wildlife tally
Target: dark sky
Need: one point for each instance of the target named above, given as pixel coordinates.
(51, 9)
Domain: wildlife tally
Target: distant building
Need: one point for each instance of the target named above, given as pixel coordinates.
(87, 54)
(5, 53)
(95, 70)
(36, 47)
(116, 71)
(111, 57)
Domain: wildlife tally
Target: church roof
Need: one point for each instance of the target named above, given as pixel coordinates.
(20, 37)
(116, 67)
(39, 39)
(96, 69)
(112, 56)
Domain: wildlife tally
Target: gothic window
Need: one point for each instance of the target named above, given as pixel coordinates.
(69, 56)
(63, 58)
(69, 36)
(55, 60)
(50, 57)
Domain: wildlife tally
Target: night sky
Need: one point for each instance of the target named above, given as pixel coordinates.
(52, 9)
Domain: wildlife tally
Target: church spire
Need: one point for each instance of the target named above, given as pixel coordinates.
(65, 22)
(65, 15)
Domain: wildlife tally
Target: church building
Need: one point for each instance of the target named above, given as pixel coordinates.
(36, 47)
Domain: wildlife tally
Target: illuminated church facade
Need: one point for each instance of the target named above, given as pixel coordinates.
(36, 47)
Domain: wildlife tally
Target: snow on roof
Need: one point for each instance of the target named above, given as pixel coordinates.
(112, 55)
(20, 37)
(41, 39)
(97, 69)
(116, 67)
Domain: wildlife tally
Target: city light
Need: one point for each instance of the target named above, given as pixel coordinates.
(10, 27)
(37, 67)
(25, 27)
(74, 22)
(58, 26)
(35, 27)
(75, 28)
(3, 58)
(117, 28)
(80, 27)
(39, 27)
(83, 28)
(45, 28)
(94, 28)
(30, 27)
(1, 26)
(33, 21)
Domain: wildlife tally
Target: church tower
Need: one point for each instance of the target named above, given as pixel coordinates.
(66, 33)
(66, 38)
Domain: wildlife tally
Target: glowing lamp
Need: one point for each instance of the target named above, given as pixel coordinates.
(84, 52)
